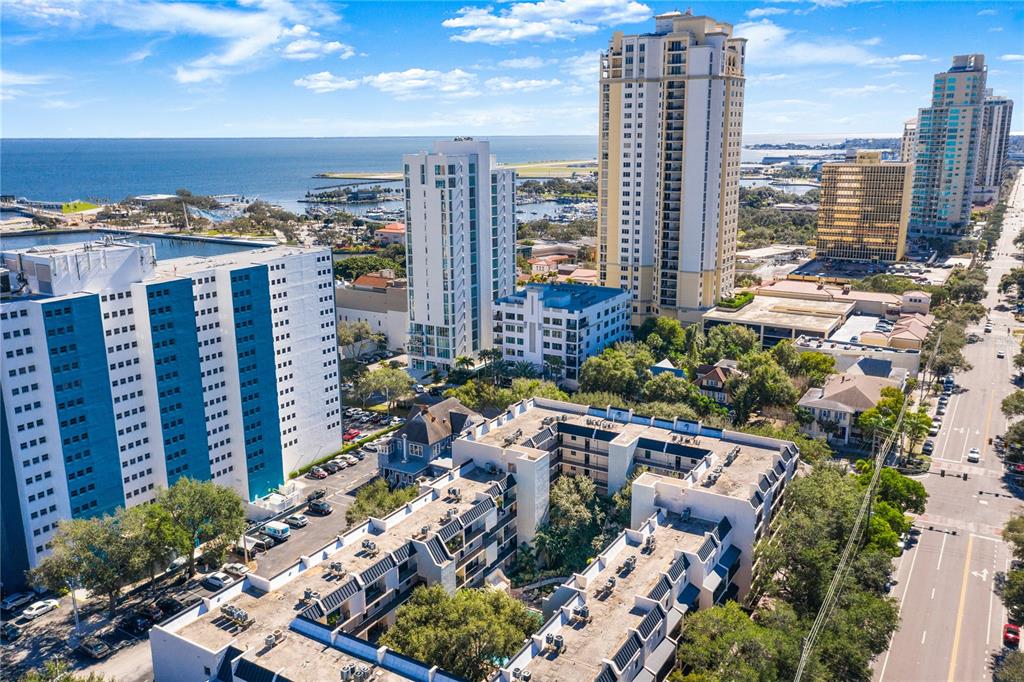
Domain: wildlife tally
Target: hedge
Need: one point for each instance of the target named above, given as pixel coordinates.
(347, 447)
(738, 301)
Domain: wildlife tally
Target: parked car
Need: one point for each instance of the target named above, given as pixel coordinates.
(269, 540)
(349, 437)
(16, 600)
(10, 632)
(319, 507)
(317, 473)
(340, 463)
(1001, 354)
(352, 461)
(988, 329)
(316, 494)
(277, 530)
(928, 447)
(1018, 469)
(330, 467)
(170, 605)
(94, 648)
(297, 521)
(152, 611)
(136, 624)
(253, 545)
(235, 569)
(1011, 635)
(217, 580)
(39, 608)
(940, 410)
(974, 456)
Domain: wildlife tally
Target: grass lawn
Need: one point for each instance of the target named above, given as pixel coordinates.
(76, 207)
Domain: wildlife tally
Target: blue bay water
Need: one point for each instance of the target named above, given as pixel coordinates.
(279, 170)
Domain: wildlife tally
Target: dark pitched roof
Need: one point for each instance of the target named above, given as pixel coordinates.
(437, 422)
(659, 591)
(251, 672)
(723, 528)
(708, 548)
(650, 622)
(678, 567)
(377, 570)
(606, 675)
(403, 553)
(449, 530)
(335, 598)
(437, 550)
(626, 652)
(224, 671)
(478, 510)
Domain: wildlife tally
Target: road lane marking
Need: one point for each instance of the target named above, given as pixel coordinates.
(923, 635)
(933, 593)
(942, 549)
(960, 609)
(899, 610)
(988, 623)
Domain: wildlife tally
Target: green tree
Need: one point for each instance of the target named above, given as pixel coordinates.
(669, 336)
(354, 267)
(351, 333)
(95, 554)
(492, 359)
(464, 362)
(916, 425)
(466, 633)
(204, 513)
(157, 538)
(378, 500)
(394, 384)
(554, 367)
(1013, 593)
(669, 388)
(730, 341)
(478, 395)
(1013, 533)
(767, 385)
(58, 670)
(1013, 404)
(723, 643)
(1010, 669)
(524, 370)
(622, 369)
(575, 518)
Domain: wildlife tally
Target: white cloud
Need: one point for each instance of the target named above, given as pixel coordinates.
(1012, 58)
(768, 78)
(421, 83)
(245, 33)
(871, 42)
(520, 85)
(19, 80)
(759, 12)
(771, 44)
(898, 59)
(863, 90)
(987, 12)
(996, 29)
(60, 104)
(585, 66)
(305, 49)
(543, 20)
(523, 63)
(325, 81)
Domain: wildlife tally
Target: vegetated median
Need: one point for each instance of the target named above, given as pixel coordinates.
(348, 447)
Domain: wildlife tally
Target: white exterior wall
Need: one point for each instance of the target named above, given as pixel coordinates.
(995, 137)
(445, 321)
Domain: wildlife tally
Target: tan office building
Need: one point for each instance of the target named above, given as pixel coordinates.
(864, 209)
(671, 123)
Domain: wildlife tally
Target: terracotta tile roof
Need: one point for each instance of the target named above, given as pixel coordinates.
(374, 280)
(398, 228)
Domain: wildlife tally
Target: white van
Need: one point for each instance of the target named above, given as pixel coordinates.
(277, 530)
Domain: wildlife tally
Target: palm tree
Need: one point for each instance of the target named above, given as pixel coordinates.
(523, 369)
(554, 365)
(489, 356)
(464, 362)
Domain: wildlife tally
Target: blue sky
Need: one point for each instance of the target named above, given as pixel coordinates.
(131, 68)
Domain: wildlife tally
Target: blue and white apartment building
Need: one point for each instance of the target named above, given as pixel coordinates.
(122, 374)
(561, 323)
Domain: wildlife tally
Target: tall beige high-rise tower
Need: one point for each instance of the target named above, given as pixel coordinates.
(671, 125)
(864, 209)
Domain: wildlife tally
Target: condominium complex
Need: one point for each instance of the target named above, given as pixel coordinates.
(864, 209)
(556, 327)
(908, 143)
(671, 119)
(948, 135)
(707, 496)
(995, 136)
(460, 249)
(123, 374)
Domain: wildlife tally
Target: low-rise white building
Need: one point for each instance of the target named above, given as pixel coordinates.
(380, 300)
(556, 327)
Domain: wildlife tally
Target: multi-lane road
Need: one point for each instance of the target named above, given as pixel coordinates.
(951, 616)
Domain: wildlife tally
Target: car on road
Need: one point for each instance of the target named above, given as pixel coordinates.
(94, 648)
(319, 507)
(1011, 635)
(217, 580)
(16, 600)
(297, 521)
(317, 474)
(974, 456)
(1001, 354)
(39, 608)
(10, 632)
(988, 329)
(235, 569)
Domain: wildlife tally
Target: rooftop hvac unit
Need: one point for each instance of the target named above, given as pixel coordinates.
(650, 543)
(686, 513)
(559, 643)
(451, 513)
(630, 563)
(549, 639)
(581, 614)
(527, 675)
(362, 672)
(516, 673)
(347, 672)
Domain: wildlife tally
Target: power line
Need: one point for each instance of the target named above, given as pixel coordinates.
(846, 560)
